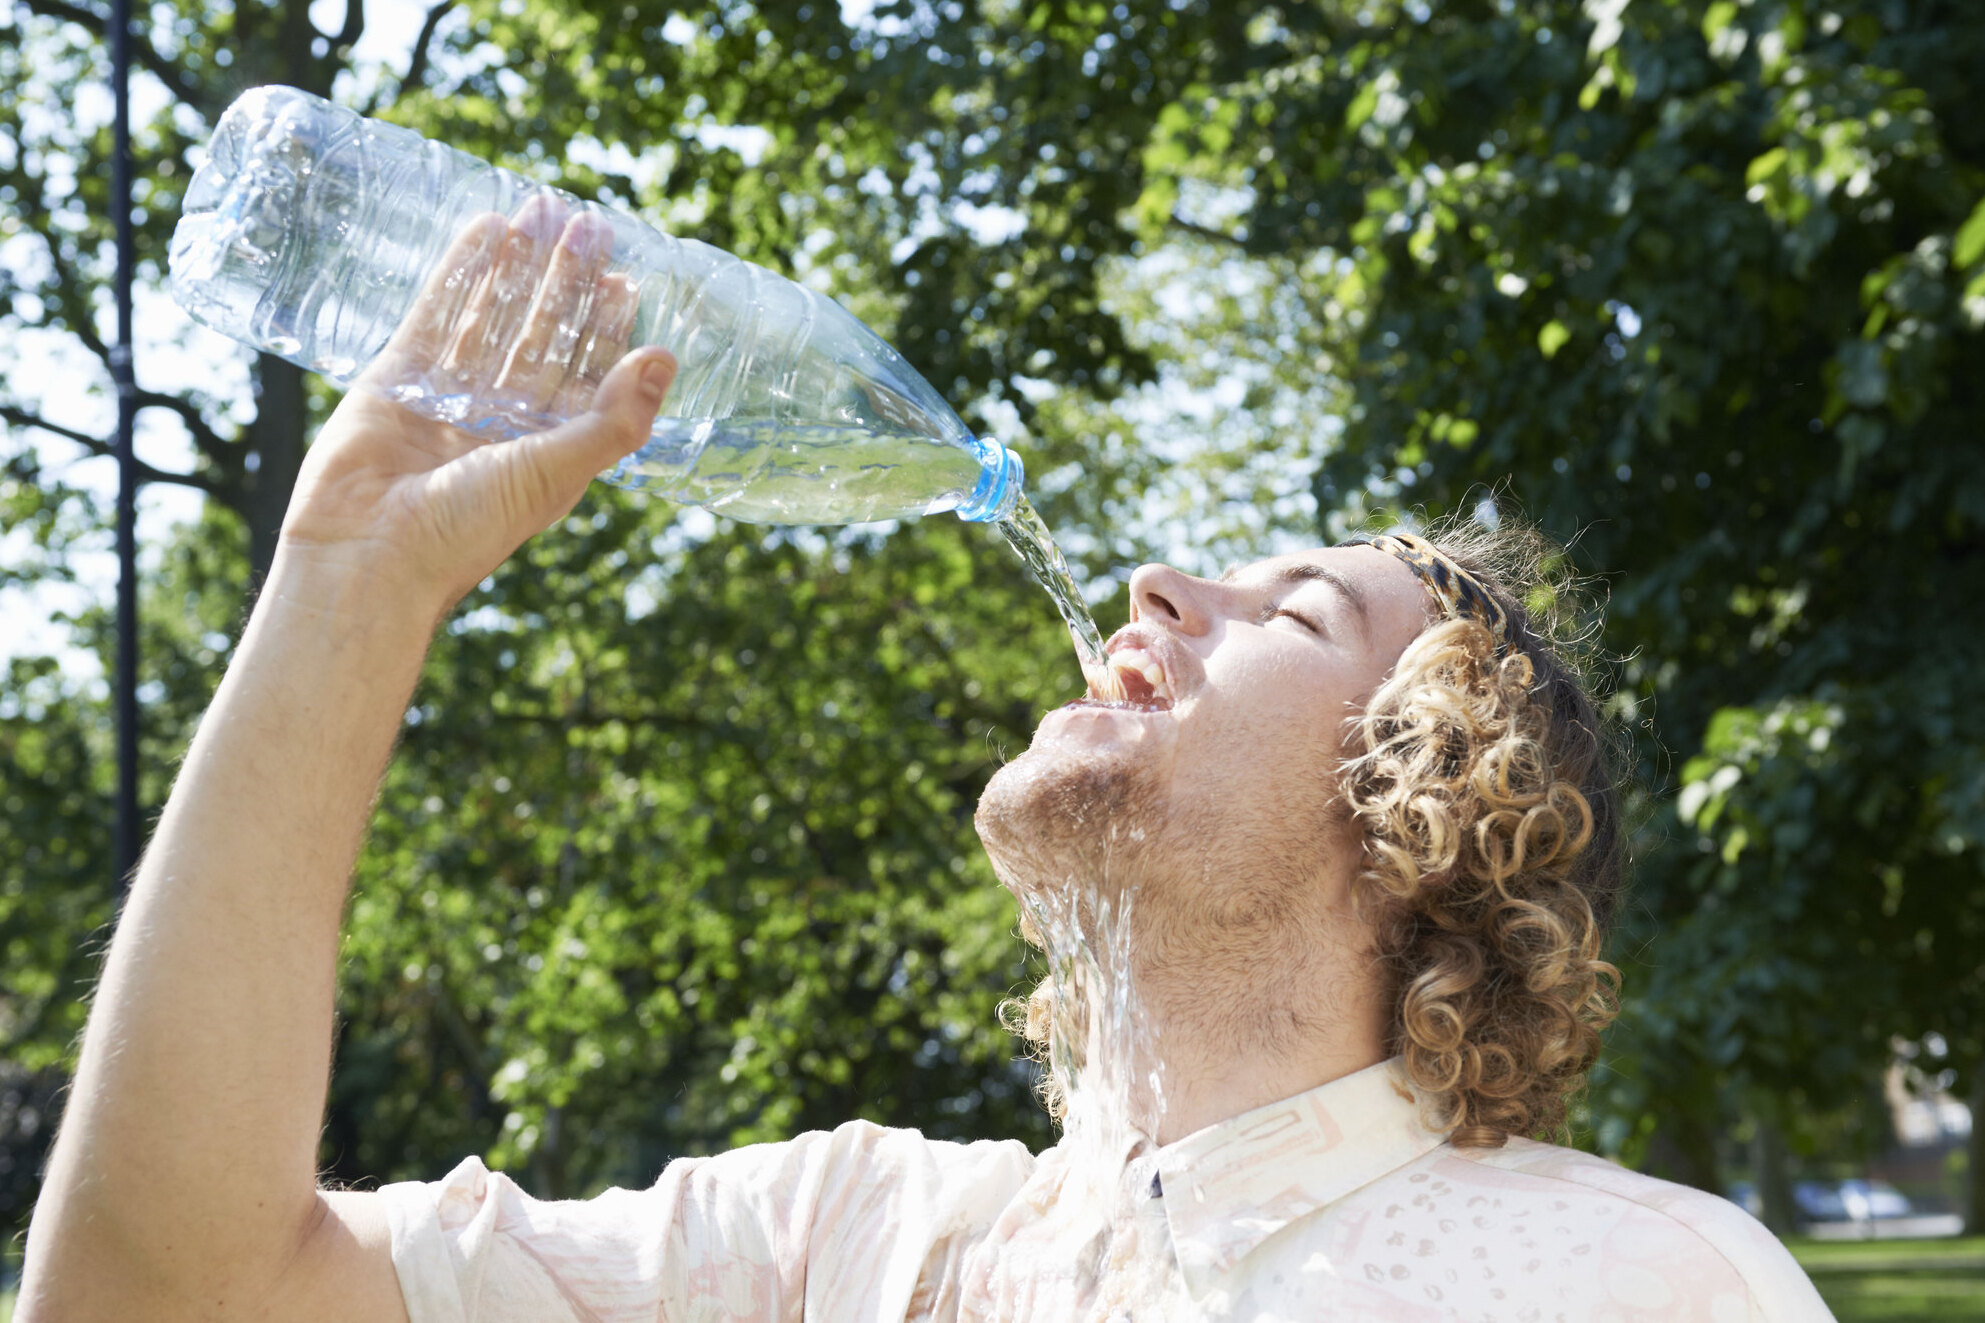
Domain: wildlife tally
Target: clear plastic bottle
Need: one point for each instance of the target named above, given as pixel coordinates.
(309, 231)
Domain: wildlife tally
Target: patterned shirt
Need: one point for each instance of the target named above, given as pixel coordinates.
(1334, 1204)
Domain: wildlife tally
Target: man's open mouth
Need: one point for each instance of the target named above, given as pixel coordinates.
(1132, 679)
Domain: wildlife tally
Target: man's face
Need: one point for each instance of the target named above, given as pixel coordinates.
(1217, 779)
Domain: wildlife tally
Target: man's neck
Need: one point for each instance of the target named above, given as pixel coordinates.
(1228, 1017)
(1212, 1068)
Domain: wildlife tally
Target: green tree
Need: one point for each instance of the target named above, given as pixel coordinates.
(675, 824)
(678, 851)
(1703, 284)
(55, 888)
(54, 188)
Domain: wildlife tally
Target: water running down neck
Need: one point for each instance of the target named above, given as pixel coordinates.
(1103, 1056)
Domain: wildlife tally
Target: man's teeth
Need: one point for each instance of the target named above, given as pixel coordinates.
(1135, 661)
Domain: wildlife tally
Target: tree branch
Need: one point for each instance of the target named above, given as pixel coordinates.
(424, 44)
(418, 59)
(354, 27)
(68, 283)
(20, 417)
(1199, 231)
(205, 438)
(23, 418)
(209, 442)
(181, 83)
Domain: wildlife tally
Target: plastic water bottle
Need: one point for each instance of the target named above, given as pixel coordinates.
(309, 232)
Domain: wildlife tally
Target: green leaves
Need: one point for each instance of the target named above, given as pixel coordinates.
(677, 851)
(1362, 105)
(1762, 229)
(1766, 167)
(1968, 246)
(1717, 18)
(697, 869)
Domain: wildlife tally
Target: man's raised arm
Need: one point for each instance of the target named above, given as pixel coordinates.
(183, 1182)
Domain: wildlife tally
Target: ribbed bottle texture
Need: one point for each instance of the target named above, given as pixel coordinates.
(311, 233)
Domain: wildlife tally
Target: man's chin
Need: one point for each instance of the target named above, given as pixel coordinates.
(1148, 733)
(1086, 791)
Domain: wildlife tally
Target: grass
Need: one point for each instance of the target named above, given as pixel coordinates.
(1877, 1281)
(1893, 1281)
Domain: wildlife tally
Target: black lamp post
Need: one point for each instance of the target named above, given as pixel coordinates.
(126, 685)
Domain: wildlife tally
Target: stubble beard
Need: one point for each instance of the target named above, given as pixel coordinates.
(1068, 824)
(1221, 899)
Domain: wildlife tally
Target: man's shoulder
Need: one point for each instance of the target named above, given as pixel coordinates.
(868, 1136)
(1684, 1203)
(875, 1154)
(1720, 1230)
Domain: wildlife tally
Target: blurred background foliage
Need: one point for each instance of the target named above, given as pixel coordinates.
(677, 850)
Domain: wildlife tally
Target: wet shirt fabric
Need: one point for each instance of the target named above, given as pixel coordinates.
(1333, 1204)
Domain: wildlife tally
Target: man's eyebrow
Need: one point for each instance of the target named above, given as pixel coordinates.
(1304, 571)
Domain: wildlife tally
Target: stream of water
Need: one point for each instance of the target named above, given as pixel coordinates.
(1029, 536)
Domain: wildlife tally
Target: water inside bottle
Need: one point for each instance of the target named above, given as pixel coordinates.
(767, 472)
(779, 473)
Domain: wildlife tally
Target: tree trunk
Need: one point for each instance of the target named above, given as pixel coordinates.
(1684, 1150)
(1773, 1175)
(548, 1162)
(1974, 1153)
(275, 454)
(276, 435)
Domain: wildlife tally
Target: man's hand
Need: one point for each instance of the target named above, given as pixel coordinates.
(520, 311)
(182, 1185)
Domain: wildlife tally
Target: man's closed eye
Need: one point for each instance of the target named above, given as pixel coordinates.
(1304, 621)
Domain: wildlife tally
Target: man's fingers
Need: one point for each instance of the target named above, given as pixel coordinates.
(610, 326)
(423, 336)
(494, 318)
(623, 412)
(558, 316)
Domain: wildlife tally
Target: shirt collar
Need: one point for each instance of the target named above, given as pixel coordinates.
(1229, 1187)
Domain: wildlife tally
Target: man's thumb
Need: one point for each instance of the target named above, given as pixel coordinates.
(624, 407)
(539, 477)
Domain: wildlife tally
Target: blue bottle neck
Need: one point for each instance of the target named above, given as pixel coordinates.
(1001, 478)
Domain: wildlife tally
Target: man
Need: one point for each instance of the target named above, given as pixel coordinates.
(1326, 883)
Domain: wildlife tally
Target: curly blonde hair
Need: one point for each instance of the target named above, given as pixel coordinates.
(1484, 787)
(1494, 853)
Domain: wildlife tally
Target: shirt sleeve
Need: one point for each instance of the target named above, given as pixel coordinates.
(838, 1224)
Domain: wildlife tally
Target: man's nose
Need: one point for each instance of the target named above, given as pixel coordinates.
(1170, 597)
